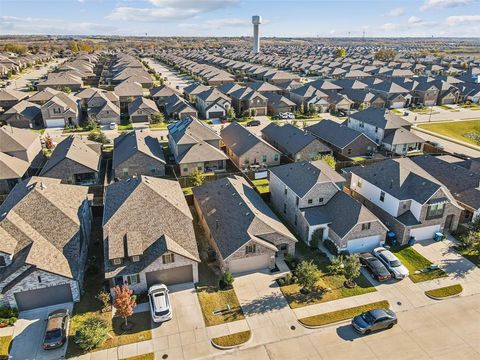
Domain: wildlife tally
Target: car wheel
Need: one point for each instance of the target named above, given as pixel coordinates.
(390, 326)
(367, 332)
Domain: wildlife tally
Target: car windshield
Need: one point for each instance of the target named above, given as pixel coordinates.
(53, 334)
(395, 263)
(368, 318)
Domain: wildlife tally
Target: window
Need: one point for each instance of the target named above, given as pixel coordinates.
(125, 171)
(366, 226)
(297, 201)
(284, 208)
(250, 249)
(320, 200)
(185, 169)
(39, 278)
(168, 258)
(57, 110)
(310, 201)
(153, 170)
(135, 258)
(286, 190)
(275, 157)
(117, 261)
(382, 196)
(2, 261)
(133, 279)
(296, 219)
(435, 211)
(264, 158)
(376, 129)
(349, 151)
(359, 183)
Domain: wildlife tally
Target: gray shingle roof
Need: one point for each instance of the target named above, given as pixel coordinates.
(128, 144)
(381, 118)
(240, 139)
(336, 134)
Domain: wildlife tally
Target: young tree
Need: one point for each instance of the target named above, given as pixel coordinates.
(124, 302)
(157, 118)
(315, 240)
(196, 178)
(91, 333)
(231, 113)
(307, 275)
(341, 52)
(351, 269)
(227, 280)
(329, 159)
(48, 142)
(104, 298)
(66, 89)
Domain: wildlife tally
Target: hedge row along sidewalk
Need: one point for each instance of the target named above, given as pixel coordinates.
(341, 315)
(232, 340)
(444, 292)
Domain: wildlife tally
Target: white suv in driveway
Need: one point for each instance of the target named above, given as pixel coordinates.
(398, 270)
(159, 300)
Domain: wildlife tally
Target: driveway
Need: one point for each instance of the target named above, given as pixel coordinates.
(28, 335)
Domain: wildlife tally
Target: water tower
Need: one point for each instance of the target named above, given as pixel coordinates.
(256, 21)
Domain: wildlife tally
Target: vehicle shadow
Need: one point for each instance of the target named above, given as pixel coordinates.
(347, 333)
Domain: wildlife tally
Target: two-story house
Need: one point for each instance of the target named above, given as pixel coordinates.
(101, 109)
(60, 111)
(246, 101)
(408, 200)
(142, 109)
(309, 196)
(212, 103)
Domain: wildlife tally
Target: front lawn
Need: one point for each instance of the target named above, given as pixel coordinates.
(212, 299)
(232, 340)
(158, 126)
(329, 287)
(467, 131)
(341, 315)
(414, 262)
(445, 292)
(126, 127)
(5, 342)
(262, 185)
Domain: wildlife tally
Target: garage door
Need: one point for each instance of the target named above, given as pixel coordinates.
(48, 296)
(364, 245)
(249, 264)
(215, 114)
(178, 275)
(56, 123)
(424, 233)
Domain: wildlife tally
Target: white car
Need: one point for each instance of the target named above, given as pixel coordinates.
(113, 125)
(398, 270)
(159, 300)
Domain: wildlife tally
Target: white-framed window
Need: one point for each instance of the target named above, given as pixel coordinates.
(366, 226)
(117, 261)
(382, 196)
(251, 249)
(359, 183)
(135, 258)
(125, 171)
(133, 279)
(168, 258)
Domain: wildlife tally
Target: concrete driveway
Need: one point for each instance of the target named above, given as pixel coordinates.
(28, 335)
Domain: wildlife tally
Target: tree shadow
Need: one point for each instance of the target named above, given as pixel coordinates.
(264, 304)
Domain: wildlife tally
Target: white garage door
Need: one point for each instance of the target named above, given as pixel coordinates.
(398, 105)
(55, 123)
(249, 264)
(364, 244)
(424, 233)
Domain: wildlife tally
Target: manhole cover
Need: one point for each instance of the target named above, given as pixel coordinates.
(399, 303)
(165, 356)
(292, 327)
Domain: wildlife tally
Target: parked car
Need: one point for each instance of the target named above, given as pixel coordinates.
(375, 267)
(223, 120)
(398, 270)
(253, 123)
(372, 320)
(56, 331)
(159, 300)
(113, 125)
(290, 115)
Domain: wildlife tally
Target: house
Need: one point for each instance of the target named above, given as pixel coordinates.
(128, 91)
(247, 150)
(387, 129)
(42, 96)
(463, 183)
(24, 115)
(61, 80)
(309, 196)
(60, 111)
(247, 101)
(141, 110)
(141, 250)
(178, 108)
(137, 153)
(310, 98)
(161, 93)
(244, 232)
(407, 199)
(278, 103)
(195, 146)
(44, 243)
(342, 139)
(11, 97)
(102, 110)
(74, 161)
(212, 104)
(191, 91)
(294, 142)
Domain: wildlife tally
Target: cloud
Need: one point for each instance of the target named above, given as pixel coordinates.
(217, 24)
(167, 10)
(414, 20)
(396, 12)
(389, 26)
(462, 19)
(437, 4)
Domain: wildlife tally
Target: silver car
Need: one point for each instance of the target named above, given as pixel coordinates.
(376, 319)
(159, 300)
(398, 270)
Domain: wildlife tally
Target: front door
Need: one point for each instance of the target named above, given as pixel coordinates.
(282, 249)
(449, 222)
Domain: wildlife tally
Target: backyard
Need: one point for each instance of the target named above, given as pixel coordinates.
(467, 131)
(262, 185)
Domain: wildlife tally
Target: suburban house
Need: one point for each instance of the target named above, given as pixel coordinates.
(293, 142)
(141, 250)
(20, 156)
(278, 103)
(44, 243)
(101, 109)
(244, 232)
(310, 98)
(191, 92)
(246, 101)
(161, 93)
(177, 108)
(60, 111)
(342, 139)
(61, 80)
(137, 153)
(24, 115)
(247, 150)
(10, 97)
(141, 110)
(407, 199)
(463, 183)
(212, 104)
(128, 91)
(386, 129)
(42, 96)
(195, 146)
(74, 161)
(309, 196)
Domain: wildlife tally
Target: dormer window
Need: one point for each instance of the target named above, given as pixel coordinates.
(117, 261)
(135, 258)
(168, 258)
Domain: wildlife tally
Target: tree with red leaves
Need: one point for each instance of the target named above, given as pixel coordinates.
(124, 302)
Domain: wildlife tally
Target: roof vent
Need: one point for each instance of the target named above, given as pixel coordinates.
(42, 185)
(247, 214)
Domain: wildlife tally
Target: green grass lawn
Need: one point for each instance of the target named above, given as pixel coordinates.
(341, 315)
(455, 129)
(5, 342)
(414, 261)
(211, 299)
(235, 339)
(159, 126)
(471, 106)
(187, 191)
(472, 257)
(444, 292)
(125, 127)
(38, 131)
(335, 283)
(262, 185)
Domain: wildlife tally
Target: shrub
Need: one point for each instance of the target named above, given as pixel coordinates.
(8, 313)
(91, 333)
(104, 298)
(227, 280)
(157, 118)
(99, 137)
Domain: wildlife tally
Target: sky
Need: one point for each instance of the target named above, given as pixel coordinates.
(281, 18)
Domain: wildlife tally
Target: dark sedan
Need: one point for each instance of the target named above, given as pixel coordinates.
(57, 329)
(253, 123)
(372, 320)
(375, 267)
